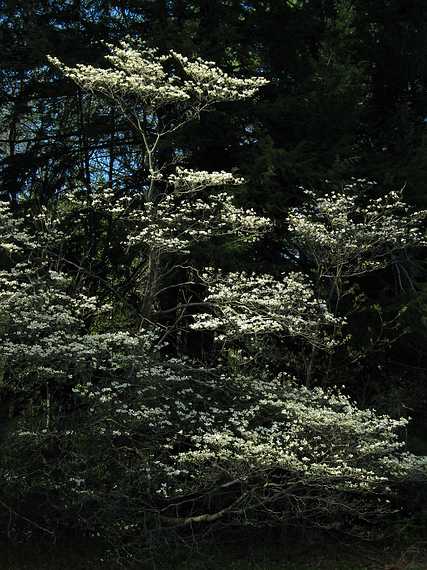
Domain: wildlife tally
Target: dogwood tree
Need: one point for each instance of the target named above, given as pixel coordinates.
(146, 438)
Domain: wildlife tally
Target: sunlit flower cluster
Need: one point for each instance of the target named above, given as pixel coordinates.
(207, 82)
(12, 233)
(353, 232)
(186, 180)
(145, 75)
(261, 304)
(268, 437)
(174, 224)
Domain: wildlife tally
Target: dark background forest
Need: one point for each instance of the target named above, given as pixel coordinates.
(347, 100)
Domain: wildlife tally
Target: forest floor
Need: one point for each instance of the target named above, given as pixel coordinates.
(250, 555)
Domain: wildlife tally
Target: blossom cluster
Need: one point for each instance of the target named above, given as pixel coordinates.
(264, 429)
(187, 180)
(174, 224)
(357, 234)
(210, 83)
(144, 75)
(12, 233)
(254, 305)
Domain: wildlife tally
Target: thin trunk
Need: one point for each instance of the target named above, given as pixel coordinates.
(112, 148)
(47, 407)
(152, 279)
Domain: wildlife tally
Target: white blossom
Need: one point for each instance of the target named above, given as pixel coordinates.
(357, 234)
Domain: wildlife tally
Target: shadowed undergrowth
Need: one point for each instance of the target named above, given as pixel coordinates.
(244, 555)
